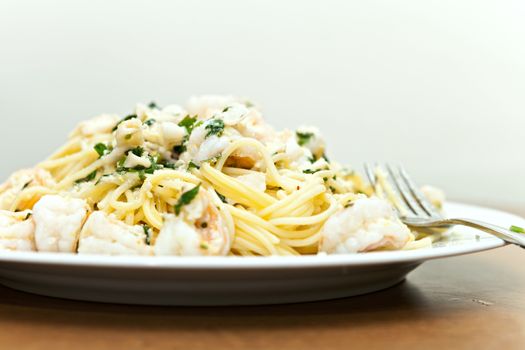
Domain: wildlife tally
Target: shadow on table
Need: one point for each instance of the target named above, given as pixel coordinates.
(402, 300)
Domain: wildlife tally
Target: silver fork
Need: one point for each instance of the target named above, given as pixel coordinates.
(415, 210)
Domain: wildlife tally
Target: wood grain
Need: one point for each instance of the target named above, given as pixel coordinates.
(468, 302)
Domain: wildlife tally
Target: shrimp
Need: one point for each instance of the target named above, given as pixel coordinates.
(17, 231)
(368, 224)
(18, 182)
(104, 234)
(58, 221)
(200, 229)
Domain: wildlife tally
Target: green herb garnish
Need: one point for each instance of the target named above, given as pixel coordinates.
(138, 151)
(179, 149)
(101, 149)
(147, 232)
(517, 229)
(150, 122)
(303, 137)
(152, 105)
(88, 178)
(186, 198)
(311, 171)
(215, 127)
(192, 165)
(131, 116)
(26, 184)
(188, 123)
(222, 198)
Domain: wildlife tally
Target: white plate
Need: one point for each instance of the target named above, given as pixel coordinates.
(232, 280)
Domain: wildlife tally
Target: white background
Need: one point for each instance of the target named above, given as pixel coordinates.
(436, 85)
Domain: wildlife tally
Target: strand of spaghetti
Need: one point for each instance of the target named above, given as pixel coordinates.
(286, 251)
(62, 172)
(275, 179)
(69, 180)
(303, 242)
(242, 243)
(164, 174)
(250, 218)
(258, 239)
(54, 163)
(230, 171)
(95, 193)
(288, 204)
(70, 147)
(258, 232)
(139, 216)
(307, 209)
(29, 197)
(245, 194)
(308, 220)
(286, 200)
(151, 215)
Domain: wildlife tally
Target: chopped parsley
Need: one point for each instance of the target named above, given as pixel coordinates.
(150, 122)
(138, 151)
(189, 123)
(226, 109)
(169, 165)
(311, 171)
(28, 216)
(26, 184)
(186, 198)
(178, 150)
(140, 170)
(192, 165)
(215, 127)
(325, 158)
(88, 178)
(222, 198)
(303, 137)
(153, 105)
(101, 149)
(131, 116)
(147, 232)
(517, 229)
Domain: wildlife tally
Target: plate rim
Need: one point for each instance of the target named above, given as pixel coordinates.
(272, 262)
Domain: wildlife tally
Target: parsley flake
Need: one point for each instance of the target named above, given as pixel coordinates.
(215, 127)
(517, 229)
(88, 178)
(101, 149)
(186, 198)
(303, 137)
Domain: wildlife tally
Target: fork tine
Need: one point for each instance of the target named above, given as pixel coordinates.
(370, 174)
(429, 208)
(403, 192)
(384, 188)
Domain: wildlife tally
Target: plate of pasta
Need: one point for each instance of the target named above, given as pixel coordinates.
(207, 204)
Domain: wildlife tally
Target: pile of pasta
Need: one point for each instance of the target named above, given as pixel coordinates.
(209, 178)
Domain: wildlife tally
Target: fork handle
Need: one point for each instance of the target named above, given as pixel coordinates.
(498, 231)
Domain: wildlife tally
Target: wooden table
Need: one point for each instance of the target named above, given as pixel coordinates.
(469, 302)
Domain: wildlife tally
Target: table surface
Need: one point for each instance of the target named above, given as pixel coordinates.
(468, 302)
